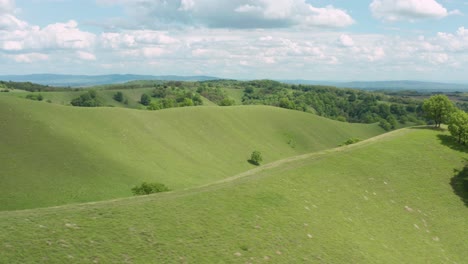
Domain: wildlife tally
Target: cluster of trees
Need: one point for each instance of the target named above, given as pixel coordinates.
(440, 110)
(340, 104)
(168, 97)
(88, 99)
(215, 95)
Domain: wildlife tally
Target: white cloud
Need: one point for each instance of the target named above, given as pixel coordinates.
(83, 55)
(186, 5)
(10, 22)
(233, 13)
(29, 57)
(153, 52)
(328, 17)
(7, 6)
(346, 41)
(394, 10)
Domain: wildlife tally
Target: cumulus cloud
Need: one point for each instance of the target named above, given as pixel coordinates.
(394, 10)
(234, 13)
(29, 57)
(346, 40)
(7, 6)
(83, 55)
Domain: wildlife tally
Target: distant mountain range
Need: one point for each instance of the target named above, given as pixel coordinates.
(90, 80)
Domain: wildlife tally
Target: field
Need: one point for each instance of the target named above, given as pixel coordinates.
(52, 154)
(385, 200)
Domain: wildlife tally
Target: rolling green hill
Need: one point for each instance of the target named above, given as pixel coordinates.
(385, 200)
(52, 154)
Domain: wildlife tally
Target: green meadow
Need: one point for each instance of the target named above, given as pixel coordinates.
(53, 154)
(388, 199)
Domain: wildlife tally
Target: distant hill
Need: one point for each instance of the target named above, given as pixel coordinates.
(389, 85)
(90, 80)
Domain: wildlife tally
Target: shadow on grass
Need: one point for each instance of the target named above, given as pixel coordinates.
(459, 184)
(428, 127)
(253, 162)
(452, 143)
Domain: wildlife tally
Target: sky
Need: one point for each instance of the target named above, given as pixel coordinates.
(339, 40)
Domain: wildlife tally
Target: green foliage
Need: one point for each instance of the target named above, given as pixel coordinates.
(256, 158)
(385, 125)
(145, 99)
(340, 104)
(89, 99)
(31, 87)
(350, 141)
(149, 188)
(438, 108)
(35, 97)
(227, 102)
(119, 97)
(458, 126)
(173, 94)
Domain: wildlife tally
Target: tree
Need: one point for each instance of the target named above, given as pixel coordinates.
(145, 99)
(438, 108)
(458, 126)
(118, 97)
(256, 157)
(89, 99)
(149, 188)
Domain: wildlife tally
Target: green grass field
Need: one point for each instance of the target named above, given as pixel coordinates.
(52, 154)
(385, 200)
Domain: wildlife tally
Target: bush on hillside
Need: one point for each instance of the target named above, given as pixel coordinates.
(149, 188)
(350, 141)
(119, 97)
(89, 99)
(145, 100)
(256, 158)
(35, 97)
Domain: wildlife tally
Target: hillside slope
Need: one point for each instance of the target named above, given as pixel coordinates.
(387, 200)
(52, 154)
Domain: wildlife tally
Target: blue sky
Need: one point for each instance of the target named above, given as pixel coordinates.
(338, 40)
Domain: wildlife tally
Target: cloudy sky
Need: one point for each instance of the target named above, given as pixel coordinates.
(243, 39)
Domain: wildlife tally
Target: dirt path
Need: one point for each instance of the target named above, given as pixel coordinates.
(318, 154)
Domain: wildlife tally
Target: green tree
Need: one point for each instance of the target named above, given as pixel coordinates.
(89, 99)
(118, 97)
(145, 99)
(458, 126)
(149, 188)
(256, 157)
(438, 108)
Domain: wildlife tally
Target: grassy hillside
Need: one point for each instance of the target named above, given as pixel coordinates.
(388, 200)
(52, 154)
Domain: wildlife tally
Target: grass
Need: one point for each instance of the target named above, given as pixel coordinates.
(52, 154)
(384, 200)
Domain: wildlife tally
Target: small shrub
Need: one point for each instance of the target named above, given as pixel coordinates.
(145, 99)
(350, 141)
(119, 97)
(35, 97)
(256, 158)
(149, 188)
